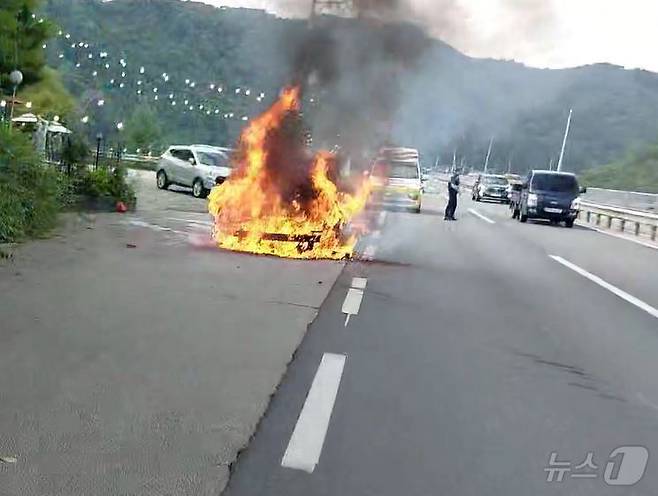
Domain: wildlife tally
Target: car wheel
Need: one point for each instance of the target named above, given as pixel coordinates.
(569, 223)
(161, 180)
(198, 191)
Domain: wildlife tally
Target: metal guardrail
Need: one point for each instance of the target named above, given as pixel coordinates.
(628, 199)
(128, 157)
(619, 218)
(110, 153)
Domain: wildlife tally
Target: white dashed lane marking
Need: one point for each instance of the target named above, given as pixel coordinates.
(479, 215)
(613, 289)
(352, 303)
(305, 445)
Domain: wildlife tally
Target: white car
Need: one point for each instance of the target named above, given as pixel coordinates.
(199, 167)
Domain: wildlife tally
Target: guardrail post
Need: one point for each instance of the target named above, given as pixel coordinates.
(609, 221)
(598, 219)
(622, 225)
(654, 230)
(637, 228)
(589, 216)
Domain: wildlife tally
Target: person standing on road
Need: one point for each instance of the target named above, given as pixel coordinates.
(453, 191)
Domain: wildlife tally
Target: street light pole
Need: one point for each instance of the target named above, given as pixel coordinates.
(99, 138)
(16, 78)
(486, 161)
(564, 141)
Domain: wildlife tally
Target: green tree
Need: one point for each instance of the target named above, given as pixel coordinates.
(21, 40)
(49, 97)
(143, 130)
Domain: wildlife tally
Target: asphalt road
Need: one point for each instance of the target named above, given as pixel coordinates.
(474, 355)
(136, 358)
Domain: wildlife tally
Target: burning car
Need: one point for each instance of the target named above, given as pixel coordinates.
(282, 199)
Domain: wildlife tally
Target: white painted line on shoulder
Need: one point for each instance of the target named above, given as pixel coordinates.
(478, 214)
(193, 221)
(359, 282)
(154, 227)
(619, 236)
(305, 445)
(613, 289)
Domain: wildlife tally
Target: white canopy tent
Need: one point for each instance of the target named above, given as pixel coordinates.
(55, 127)
(26, 119)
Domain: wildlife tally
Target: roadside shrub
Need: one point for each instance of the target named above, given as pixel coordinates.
(30, 192)
(105, 182)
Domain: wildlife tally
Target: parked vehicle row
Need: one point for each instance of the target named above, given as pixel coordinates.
(547, 195)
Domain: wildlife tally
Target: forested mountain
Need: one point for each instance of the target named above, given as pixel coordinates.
(130, 60)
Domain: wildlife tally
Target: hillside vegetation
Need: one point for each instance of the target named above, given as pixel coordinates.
(448, 104)
(638, 171)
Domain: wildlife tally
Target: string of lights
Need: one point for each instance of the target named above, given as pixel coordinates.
(115, 73)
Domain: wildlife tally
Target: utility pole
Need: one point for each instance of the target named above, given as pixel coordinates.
(486, 161)
(564, 142)
(550, 164)
(454, 159)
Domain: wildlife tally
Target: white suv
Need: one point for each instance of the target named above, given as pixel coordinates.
(199, 167)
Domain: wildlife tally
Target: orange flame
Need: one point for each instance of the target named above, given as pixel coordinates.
(280, 202)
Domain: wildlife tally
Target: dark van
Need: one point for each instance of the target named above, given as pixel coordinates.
(550, 195)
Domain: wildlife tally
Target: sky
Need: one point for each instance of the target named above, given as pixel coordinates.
(540, 33)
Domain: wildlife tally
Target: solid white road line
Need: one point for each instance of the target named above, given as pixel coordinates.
(305, 445)
(478, 214)
(193, 221)
(154, 227)
(613, 289)
(359, 282)
(619, 236)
